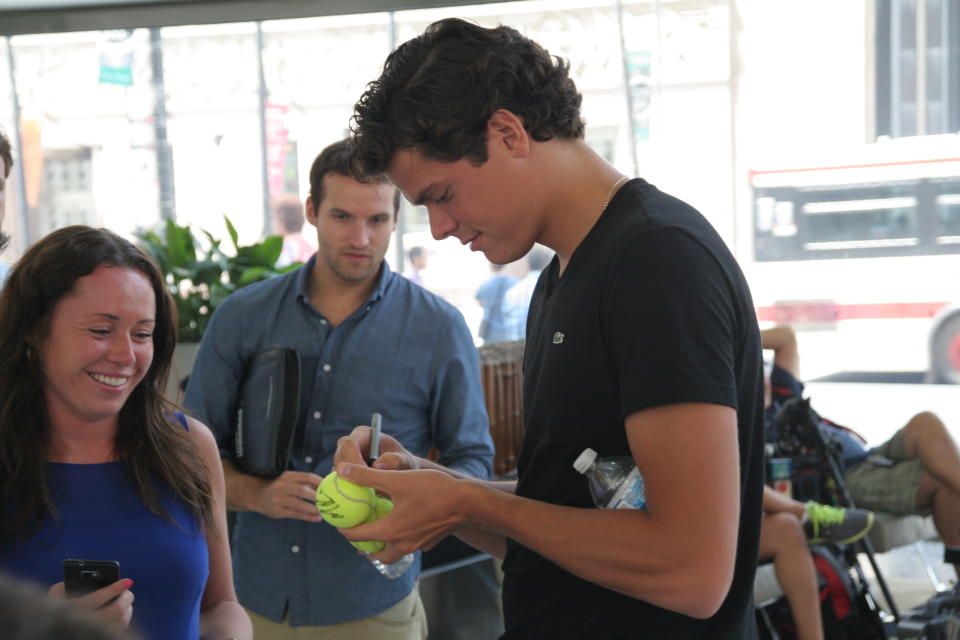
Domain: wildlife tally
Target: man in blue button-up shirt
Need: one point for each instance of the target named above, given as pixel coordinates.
(369, 341)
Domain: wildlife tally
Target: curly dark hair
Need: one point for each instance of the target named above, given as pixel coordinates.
(438, 90)
(150, 445)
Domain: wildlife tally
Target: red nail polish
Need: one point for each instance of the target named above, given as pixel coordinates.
(127, 583)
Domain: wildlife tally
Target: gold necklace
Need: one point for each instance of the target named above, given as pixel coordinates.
(610, 193)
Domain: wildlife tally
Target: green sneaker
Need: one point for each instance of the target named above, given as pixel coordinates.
(833, 524)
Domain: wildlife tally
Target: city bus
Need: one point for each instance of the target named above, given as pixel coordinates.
(861, 255)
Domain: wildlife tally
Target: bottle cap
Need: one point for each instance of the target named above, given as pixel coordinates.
(585, 460)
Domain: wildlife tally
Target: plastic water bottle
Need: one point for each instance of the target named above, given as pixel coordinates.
(615, 483)
(396, 569)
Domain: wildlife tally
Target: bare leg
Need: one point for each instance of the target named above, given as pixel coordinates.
(783, 540)
(946, 509)
(774, 502)
(925, 437)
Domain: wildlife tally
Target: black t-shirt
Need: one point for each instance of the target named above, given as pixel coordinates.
(651, 310)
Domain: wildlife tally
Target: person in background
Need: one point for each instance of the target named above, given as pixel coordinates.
(27, 613)
(642, 341)
(788, 527)
(6, 160)
(94, 463)
(288, 220)
(516, 302)
(493, 326)
(369, 341)
(418, 262)
(916, 471)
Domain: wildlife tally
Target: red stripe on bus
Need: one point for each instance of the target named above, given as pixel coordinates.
(829, 312)
(754, 172)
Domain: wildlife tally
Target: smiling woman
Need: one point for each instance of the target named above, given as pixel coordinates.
(98, 348)
(94, 463)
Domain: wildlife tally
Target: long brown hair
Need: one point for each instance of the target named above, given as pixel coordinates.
(149, 446)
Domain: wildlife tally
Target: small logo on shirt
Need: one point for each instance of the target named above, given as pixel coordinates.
(558, 338)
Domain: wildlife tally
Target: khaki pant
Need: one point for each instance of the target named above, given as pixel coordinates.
(405, 620)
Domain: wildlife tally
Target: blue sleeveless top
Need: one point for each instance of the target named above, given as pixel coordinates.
(102, 518)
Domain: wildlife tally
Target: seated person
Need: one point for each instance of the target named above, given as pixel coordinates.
(786, 529)
(93, 462)
(917, 471)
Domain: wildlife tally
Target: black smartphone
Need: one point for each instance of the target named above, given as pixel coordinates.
(83, 576)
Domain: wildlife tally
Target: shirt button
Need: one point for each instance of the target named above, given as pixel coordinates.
(295, 549)
(327, 367)
(323, 321)
(308, 459)
(317, 415)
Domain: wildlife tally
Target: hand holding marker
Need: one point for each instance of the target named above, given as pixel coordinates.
(345, 504)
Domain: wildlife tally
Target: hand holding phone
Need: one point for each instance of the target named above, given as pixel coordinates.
(95, 586)
(81, 577)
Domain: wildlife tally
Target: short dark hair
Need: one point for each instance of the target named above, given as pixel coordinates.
(338, 158)
(437, 92)
(6, 154)
(414, 253)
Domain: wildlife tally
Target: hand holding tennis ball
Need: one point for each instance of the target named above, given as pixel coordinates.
(343, 503)
(381, 507)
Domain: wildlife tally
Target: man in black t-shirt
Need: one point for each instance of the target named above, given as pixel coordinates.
(642, 341)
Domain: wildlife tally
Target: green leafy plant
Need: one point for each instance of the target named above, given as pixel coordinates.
(200, 275)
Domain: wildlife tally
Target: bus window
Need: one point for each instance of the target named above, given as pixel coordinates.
(859, 218)
(948, 212)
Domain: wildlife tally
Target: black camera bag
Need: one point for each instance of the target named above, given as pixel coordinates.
(267, 411)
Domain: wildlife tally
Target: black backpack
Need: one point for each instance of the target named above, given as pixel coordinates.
(849, 611)
(846, 606)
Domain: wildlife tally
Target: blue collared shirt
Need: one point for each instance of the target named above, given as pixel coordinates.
(405, 353)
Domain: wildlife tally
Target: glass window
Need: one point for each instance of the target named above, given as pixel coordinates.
(917, 57)
(948, 212)
(124, 128)
(860, 218)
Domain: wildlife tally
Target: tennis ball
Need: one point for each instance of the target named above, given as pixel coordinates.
(343, 503)
(381, 507)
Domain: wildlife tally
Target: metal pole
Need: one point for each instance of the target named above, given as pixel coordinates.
(626, 87)
(23, 219)
(401, 220)
(263, 95)
(163, 151)
(734, 89)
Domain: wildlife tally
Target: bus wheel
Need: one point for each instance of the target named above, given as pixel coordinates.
(945, 359)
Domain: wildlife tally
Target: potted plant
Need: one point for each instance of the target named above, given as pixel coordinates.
(200, 276)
